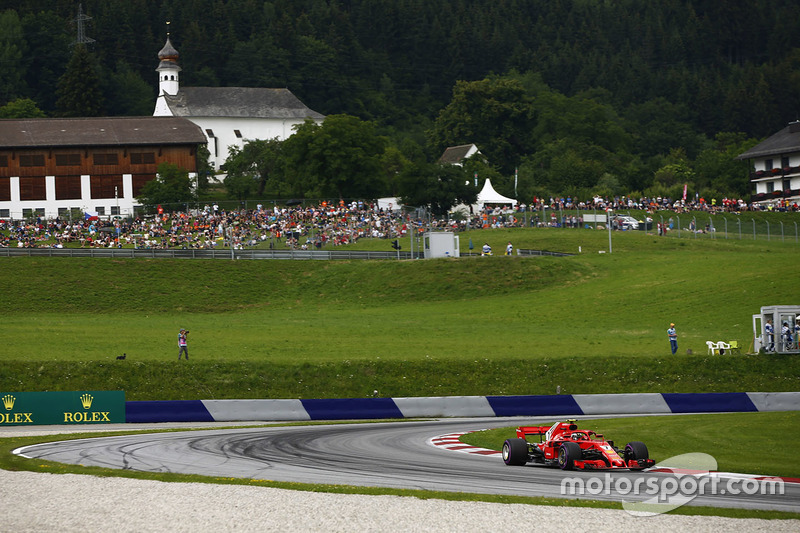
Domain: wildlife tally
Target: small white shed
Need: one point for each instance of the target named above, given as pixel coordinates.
(440, 244)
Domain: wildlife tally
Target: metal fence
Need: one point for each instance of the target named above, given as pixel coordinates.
(322, 255)
(523, 251)
(694, 225)
(205, 254)
(727, 227)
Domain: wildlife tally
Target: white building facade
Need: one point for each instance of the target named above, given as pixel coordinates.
(775, 168)
(228, 116)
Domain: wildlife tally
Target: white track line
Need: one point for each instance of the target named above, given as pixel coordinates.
(451, 443)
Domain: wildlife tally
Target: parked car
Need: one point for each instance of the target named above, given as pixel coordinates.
(626, 222)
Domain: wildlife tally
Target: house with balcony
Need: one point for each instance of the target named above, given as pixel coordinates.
(775, 168)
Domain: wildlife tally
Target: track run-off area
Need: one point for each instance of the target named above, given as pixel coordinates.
(404, 455)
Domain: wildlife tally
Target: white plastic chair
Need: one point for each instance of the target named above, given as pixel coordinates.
(713, 348)
(722, 345)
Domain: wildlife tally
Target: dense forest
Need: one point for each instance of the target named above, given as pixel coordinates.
(576, 96)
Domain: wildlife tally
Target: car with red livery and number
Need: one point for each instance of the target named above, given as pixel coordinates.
(566, 446)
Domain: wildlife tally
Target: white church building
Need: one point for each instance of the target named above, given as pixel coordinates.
(228, 116)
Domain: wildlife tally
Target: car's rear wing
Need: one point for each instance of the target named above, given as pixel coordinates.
(549, 432)
(524, 431)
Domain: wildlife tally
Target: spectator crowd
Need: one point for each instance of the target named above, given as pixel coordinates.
(305, 227)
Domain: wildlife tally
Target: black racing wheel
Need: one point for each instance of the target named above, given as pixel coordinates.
(568, 453)
(515, 452)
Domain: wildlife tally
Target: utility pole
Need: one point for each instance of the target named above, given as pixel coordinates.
(79, 20)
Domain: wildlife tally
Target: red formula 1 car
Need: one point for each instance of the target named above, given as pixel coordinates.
(565, 445)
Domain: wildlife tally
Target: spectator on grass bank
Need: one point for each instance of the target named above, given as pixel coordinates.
(486, 250)
(183, 348)
(797, 333)
(786, 336)
(673, 338)
(509, 248)
(770, 331)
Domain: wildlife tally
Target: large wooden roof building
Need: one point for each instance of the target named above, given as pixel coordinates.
(51, 166)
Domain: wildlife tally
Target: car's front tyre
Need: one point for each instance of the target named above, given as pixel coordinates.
(635, 451)
(568, 453)
(515, 452)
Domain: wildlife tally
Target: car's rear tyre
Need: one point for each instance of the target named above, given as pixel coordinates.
(515, 452)
(568, 453)
(636, 450)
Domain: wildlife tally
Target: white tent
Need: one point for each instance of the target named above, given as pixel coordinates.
(490, 196)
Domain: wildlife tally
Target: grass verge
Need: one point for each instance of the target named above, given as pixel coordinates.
(209, 380)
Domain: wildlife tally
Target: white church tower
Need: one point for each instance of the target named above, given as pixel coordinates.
(229, 116)
(168, 78)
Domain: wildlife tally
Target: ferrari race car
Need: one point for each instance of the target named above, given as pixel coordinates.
(565, 445)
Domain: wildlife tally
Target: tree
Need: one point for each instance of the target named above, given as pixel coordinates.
(393, 161)
(21, 108)
(129, 94)
(79, 92)
(240, 186)
(659, 126)
(341, 158)
(585, 118)
(436, 186)
(567, 163)
(674, 174)
(478, 166)
(48, 50)
(494, 114)
(719, 169)
(250, 168)
(172, 187)
(12, 82)
(204, 168)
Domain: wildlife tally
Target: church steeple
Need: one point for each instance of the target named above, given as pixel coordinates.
(168, 69)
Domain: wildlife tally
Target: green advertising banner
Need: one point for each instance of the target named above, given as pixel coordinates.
(72, 407)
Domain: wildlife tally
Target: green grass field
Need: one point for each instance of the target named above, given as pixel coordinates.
(588, 323)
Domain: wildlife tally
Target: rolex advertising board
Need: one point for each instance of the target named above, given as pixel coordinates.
(72, 407)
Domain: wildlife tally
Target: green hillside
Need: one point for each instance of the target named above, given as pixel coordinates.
(589, 323)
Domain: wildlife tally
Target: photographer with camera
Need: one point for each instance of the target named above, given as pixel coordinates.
(182, 347)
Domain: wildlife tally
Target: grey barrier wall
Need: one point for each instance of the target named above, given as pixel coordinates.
(459, 406)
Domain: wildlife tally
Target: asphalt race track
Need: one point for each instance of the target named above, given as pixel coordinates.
(396, 455)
